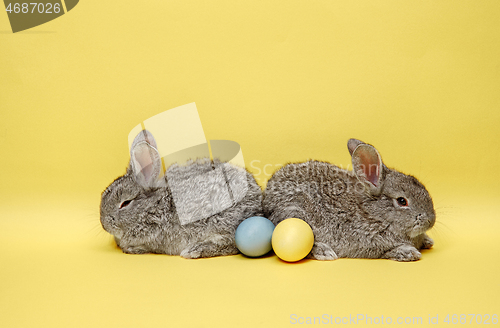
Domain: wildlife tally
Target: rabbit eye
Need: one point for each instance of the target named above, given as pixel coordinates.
(402, 201)
(125, 203)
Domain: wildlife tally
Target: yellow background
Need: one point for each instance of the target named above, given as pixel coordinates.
(289, 81)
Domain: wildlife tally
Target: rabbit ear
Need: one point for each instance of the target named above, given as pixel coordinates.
(144, 136)
(368, 167)
(145, 160)
(352, 144)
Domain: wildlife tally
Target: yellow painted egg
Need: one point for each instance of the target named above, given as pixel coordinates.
(292, 239)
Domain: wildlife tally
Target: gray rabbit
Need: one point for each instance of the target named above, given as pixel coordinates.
(370, 212)
(139, 208)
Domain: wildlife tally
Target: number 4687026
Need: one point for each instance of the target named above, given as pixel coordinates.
(484, 319)
(34, 7)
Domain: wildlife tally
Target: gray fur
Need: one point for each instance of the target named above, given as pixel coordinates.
(354, 214)
(150, 224)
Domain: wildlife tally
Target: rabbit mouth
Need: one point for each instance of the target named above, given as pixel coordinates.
(423, 223)
(117, 233)
(418, 229)
(109, 226)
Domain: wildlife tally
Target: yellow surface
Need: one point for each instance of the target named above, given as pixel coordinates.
(287, 80)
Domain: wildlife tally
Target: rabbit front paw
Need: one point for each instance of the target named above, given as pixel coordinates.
(322, 252)
(403, 253)
(134, 250)
(194, 251)
(208, 249)
(428, 242)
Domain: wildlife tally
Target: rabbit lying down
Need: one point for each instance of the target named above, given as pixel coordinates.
(371, 212)
(139, 208)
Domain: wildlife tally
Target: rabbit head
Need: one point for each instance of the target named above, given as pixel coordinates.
(391, 195)
(127, 201)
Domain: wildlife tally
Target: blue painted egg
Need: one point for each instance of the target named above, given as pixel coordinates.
(253, 236)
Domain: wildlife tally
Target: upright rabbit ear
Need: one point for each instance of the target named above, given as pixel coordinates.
(367, 165)
(352, 144)
(145, 160)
